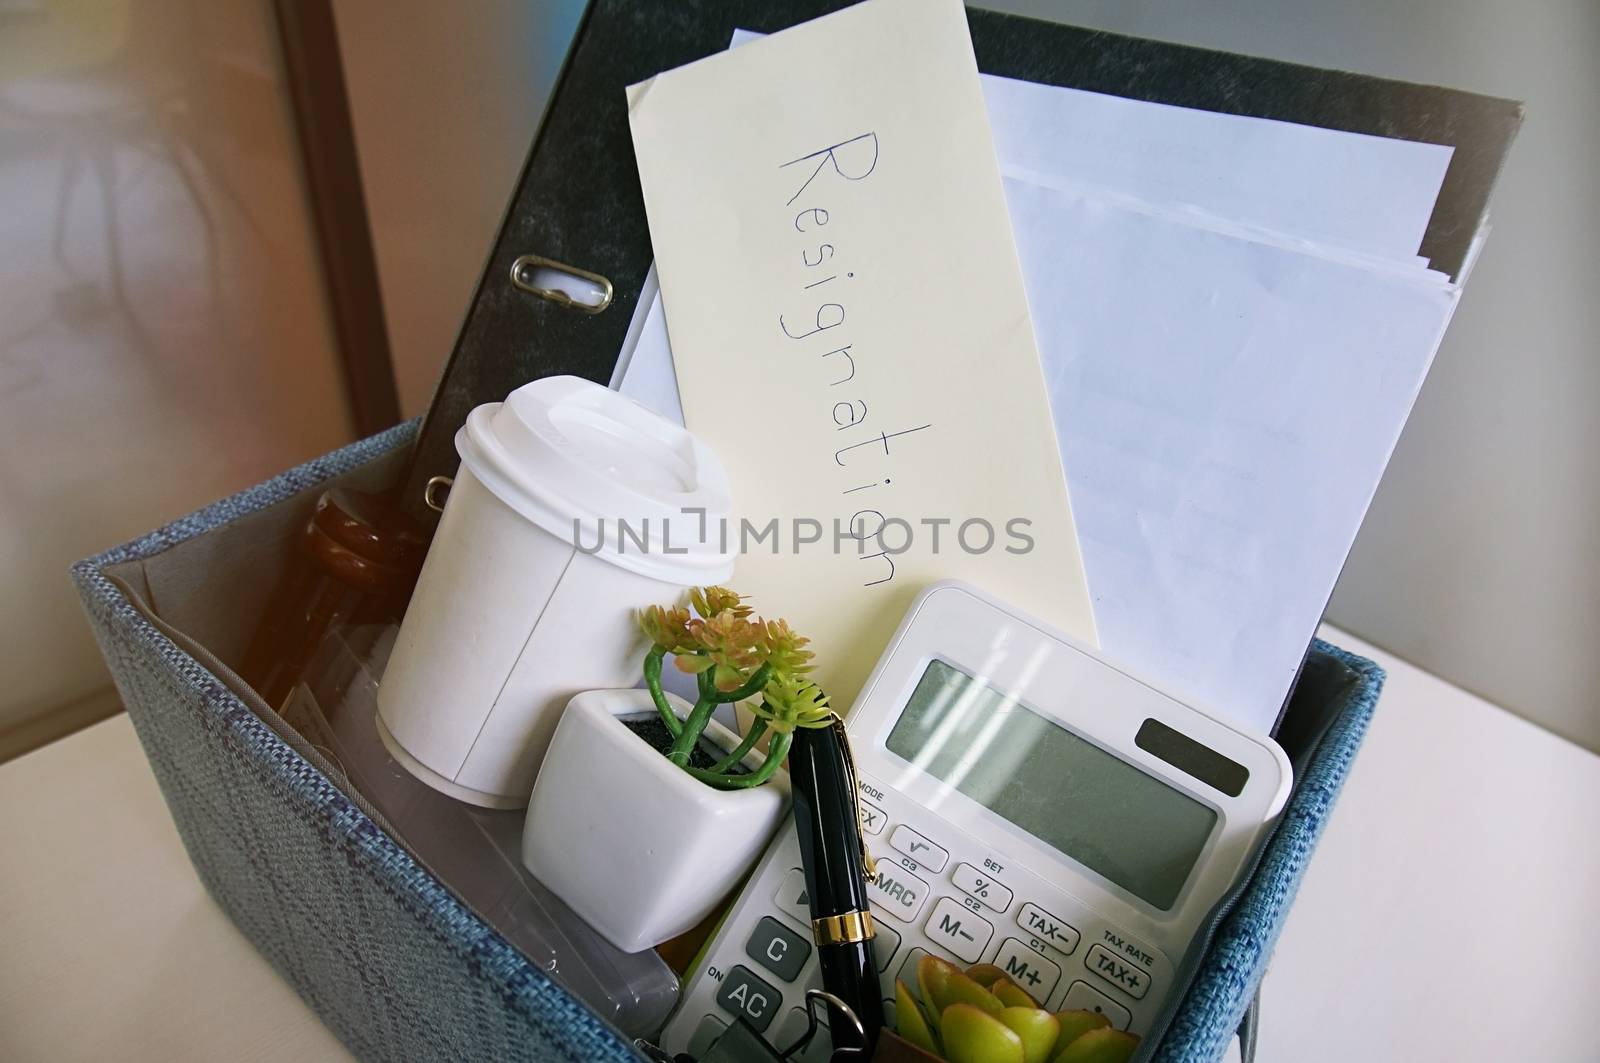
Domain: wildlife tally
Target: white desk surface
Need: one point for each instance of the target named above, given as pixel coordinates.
(1450, 912)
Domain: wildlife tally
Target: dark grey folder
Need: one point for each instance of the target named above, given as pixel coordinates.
(578, 199)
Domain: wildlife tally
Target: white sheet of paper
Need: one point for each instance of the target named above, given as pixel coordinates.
(850, 328)
(1233, 652)
(644, 371)
(1372, 194)
(1226, 409)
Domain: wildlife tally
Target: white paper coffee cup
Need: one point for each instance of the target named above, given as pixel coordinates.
(573, 507)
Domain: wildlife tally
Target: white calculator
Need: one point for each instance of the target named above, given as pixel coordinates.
(1029, 805)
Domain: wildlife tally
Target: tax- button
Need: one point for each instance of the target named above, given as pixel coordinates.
(898, 892)
(1036, 975)
(742, 993)
(778, 949)
(918, 848)
(957, 929)
(872, 818)
(1047, 928)
(1118, 971)
(981, 888)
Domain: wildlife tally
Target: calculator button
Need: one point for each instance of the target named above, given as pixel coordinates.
(958, 929)
(820, 1047)
(1036, 975)
(791, 897)
(1118, 971)
(742, 993)
(898, 892)
(872, 818)
(1085, 997)
(885, 944)
(980, 887)
(1047, 928)
(919, 848)
(778, 949)
(709, 1030)
(908, 971)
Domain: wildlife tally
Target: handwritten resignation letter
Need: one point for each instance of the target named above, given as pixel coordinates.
(849, 326)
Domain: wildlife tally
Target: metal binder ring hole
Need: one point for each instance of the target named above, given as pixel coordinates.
(430, 493)
(564, 285)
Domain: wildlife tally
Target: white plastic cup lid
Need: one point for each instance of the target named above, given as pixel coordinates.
(598, 470)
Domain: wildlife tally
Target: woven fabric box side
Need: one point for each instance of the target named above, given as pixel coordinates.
(390, 959)
(1231, 973)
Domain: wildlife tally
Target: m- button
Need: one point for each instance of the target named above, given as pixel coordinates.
(1047, 928)
(956, 928)
(1118, 971)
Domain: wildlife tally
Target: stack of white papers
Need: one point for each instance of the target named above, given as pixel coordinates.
(1234, 324)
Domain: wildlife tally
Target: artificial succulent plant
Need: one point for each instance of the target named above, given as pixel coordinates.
(733, 656)
(980, 1016)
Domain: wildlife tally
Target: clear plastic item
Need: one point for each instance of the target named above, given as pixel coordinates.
(474, 851)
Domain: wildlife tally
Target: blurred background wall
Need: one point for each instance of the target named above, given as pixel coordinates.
(1480, 558)
(445, 100)
(164, 337)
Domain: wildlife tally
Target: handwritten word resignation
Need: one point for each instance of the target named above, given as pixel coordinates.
(867, 449)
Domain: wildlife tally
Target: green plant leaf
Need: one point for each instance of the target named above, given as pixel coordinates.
(1075, 1024)
(985, 974)
(709, 601)
(959, 989)
(1104, 1045)
(1037, 1028)
(791, 701)
(1012, 995)
(910, 1023)
(784, 649)
(972, 1035)
(933, 974)
(667, 626)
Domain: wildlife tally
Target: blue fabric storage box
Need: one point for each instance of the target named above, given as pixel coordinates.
(389, 957)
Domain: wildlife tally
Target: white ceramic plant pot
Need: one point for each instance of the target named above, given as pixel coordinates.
(638, 847)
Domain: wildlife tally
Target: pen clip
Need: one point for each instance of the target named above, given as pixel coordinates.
(868, 864)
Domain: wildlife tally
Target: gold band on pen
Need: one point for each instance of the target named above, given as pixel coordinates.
(844, 929)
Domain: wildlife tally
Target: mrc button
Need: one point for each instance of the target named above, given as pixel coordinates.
(1118, 971)
(898, 892)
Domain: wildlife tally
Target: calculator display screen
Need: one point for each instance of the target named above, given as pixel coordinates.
(1096, 808)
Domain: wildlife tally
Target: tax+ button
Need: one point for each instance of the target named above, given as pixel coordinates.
(1118, 971)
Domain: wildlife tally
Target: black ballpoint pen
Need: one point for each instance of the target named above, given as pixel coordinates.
(828, 826)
